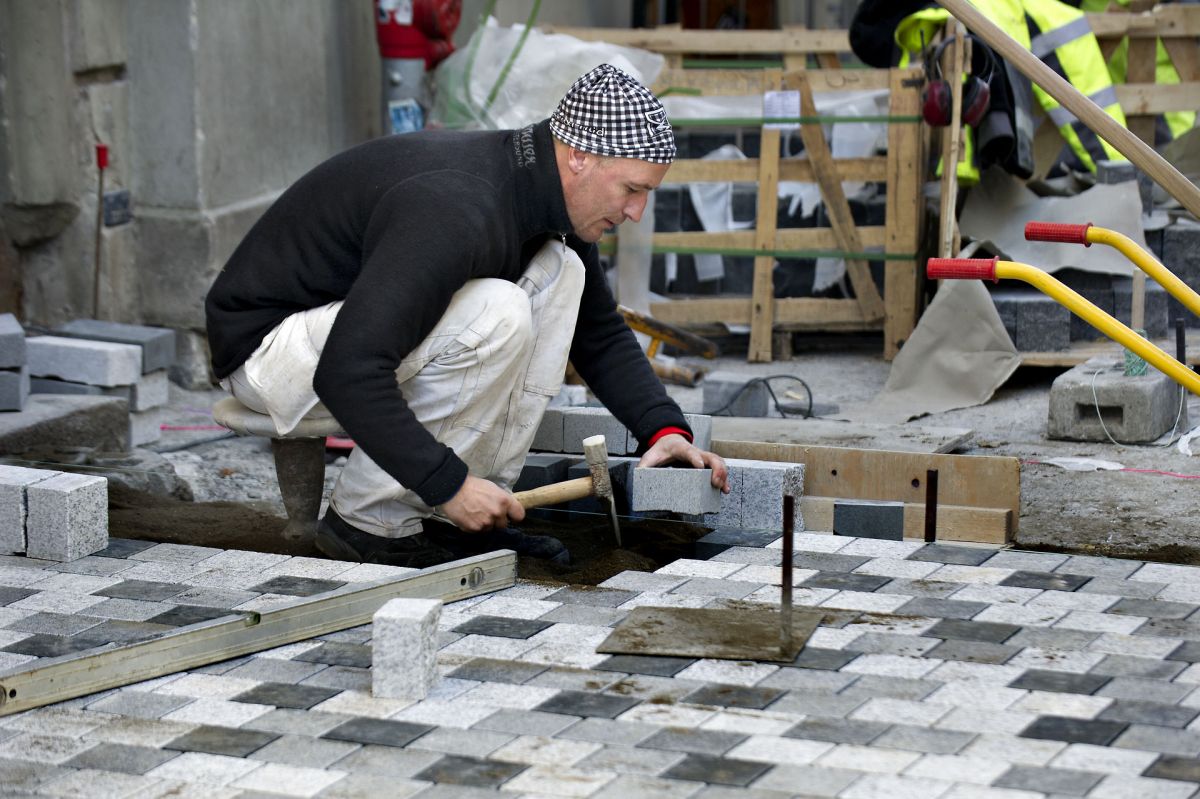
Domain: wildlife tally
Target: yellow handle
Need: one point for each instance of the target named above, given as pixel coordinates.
(1148, 264)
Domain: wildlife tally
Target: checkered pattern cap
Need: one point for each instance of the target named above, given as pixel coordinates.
(607, 112)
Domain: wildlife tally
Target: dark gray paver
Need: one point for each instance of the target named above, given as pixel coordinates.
(183, 615)
(973, 652)
(584, 703)
(1149, 713)
(1049, 780)
(296, 586)
(703, 742)
(1059, 682)
(947, 553)
(825, 659)
(838, 731)
(1153, 608)
(1075, 731)
(1169, 767)
(1050, 581)
(935, 608)
(733, 696)
(146, 590)
(845, 582)
(502, 627)
(645, 664)
(492, 670)
(716, 770)
(827, 562)
(121, 757)
(383, 732)
(962, 630)
(590, 595)
(922, 739)
(229, 741)
(336, 653)
(457, 770)
(300, 697)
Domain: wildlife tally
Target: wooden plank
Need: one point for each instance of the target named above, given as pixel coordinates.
(1152, 98)
(795, 313)
(953, 64)
(1164, 22)
(905, 212)
(829, 433)
(954, 522)
(1185, 56)
(836, 205)
(813, 238)
(979, 481)
(728, 42)
(762, 304)
(1140, 68)
(698, 170)
(735, 82)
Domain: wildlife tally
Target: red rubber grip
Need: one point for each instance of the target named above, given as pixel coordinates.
(1058, 231)
(961, 269)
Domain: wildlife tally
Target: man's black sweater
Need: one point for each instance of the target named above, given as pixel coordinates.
(395, 227)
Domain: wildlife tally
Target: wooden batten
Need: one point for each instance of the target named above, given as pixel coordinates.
(954, 522)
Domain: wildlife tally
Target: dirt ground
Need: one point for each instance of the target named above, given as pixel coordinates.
(1143, 511)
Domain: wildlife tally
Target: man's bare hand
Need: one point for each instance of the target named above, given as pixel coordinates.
(482, 505)
(675, 448)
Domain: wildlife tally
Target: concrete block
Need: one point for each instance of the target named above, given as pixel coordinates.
(701, 425)
(1155, 306)
(755, 499)
(1110, 172)
(1133, 409)
(542, 469)
(1096, 289)
(100, 422)
(729, 394)
(157, 343)
(549, 435)
(67, 517)
(580, 423)
(569, 396)
(404, 648)
(193, 364)
(14, 388)
(1181, 254)
(50, 385)
(869, 518)
(1039, 323)
(12, 342)
(14, 480)
(150, 391)
(687, 491)
(144, 428)
(98, 363)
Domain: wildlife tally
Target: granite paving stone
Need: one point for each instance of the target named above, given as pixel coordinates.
(121, 757)
(1139, 688)
(586, 595)
(716, 770)
(1112, 586)
(973, 651)
(986, 720)
(632, 786)
(877, 686)
(838, 730)
(526, 722)
(472, 742)
(304, 750)
(585, 704)
(264, 669)
(1139, 712)
(630, 760)
(502, 627)
(807, 680)
(278, 694)
(942, 608)
(706, 742)
(1170, 767)
(1118, 786)
(1156, 609)
(1062, 781)
(53, 623)
(183, 615)
(646, 664)
(748, 722)
(576, 679)
(1161, 739)
(377, 731)
(733, 696)
(1055, 581)
(336, 653)
(146, 590)
(139, 704)
(456, 770)
(1073, 730)
(221, 741)
(952, 554)
(1060, 682)
(959, 629)
(933, 589)
(811, 657)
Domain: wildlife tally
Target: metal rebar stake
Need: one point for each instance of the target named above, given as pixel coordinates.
(785, 604)
(931, 500)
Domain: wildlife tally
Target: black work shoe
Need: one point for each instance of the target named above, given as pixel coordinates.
(340, 540)
(464, 544)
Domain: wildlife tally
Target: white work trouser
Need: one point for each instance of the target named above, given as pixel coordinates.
(480, 382)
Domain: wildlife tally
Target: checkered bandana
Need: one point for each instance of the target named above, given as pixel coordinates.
(607, 112)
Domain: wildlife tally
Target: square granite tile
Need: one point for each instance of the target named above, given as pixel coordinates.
(1153, 608)
(827, 562)
(933, 607)
(336, 653)
(299, 697)
(123, 548)
(1062, 682)
(1054, 781)
(921, 739)
(838, 731)
(121, 757)
(1138, 712)
(716, 770)
(54, 623)
(973, 652)
(583, 703)
(702, 742)
(959, 629)
(1050, 581)
(502, 627)
(9, 595)
(733, 696)
(228, 741)
(456, 770)
(1071, 730)
(846, 582)
(183, 615)
(811, 657)
(377, 731)
(492, 670)
(296, 586)
(1186, 769)
(645, 664)
(591, 595)
(146, 590)
(948, 553)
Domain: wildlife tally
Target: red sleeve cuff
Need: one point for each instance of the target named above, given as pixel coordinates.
(666, 431)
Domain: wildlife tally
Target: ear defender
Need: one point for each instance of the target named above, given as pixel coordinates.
(938, 95)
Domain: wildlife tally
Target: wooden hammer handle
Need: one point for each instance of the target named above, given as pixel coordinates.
(555, 493)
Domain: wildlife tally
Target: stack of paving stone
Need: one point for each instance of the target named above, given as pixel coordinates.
(938, 671)
(87, 356)
(14, 371)
(563, 429)
(52, 515)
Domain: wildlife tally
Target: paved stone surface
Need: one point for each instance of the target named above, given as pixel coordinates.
(938, 671)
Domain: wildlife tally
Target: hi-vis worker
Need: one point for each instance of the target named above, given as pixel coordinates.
(1055, 32)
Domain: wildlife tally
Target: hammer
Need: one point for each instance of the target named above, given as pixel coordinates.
(598, 483)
